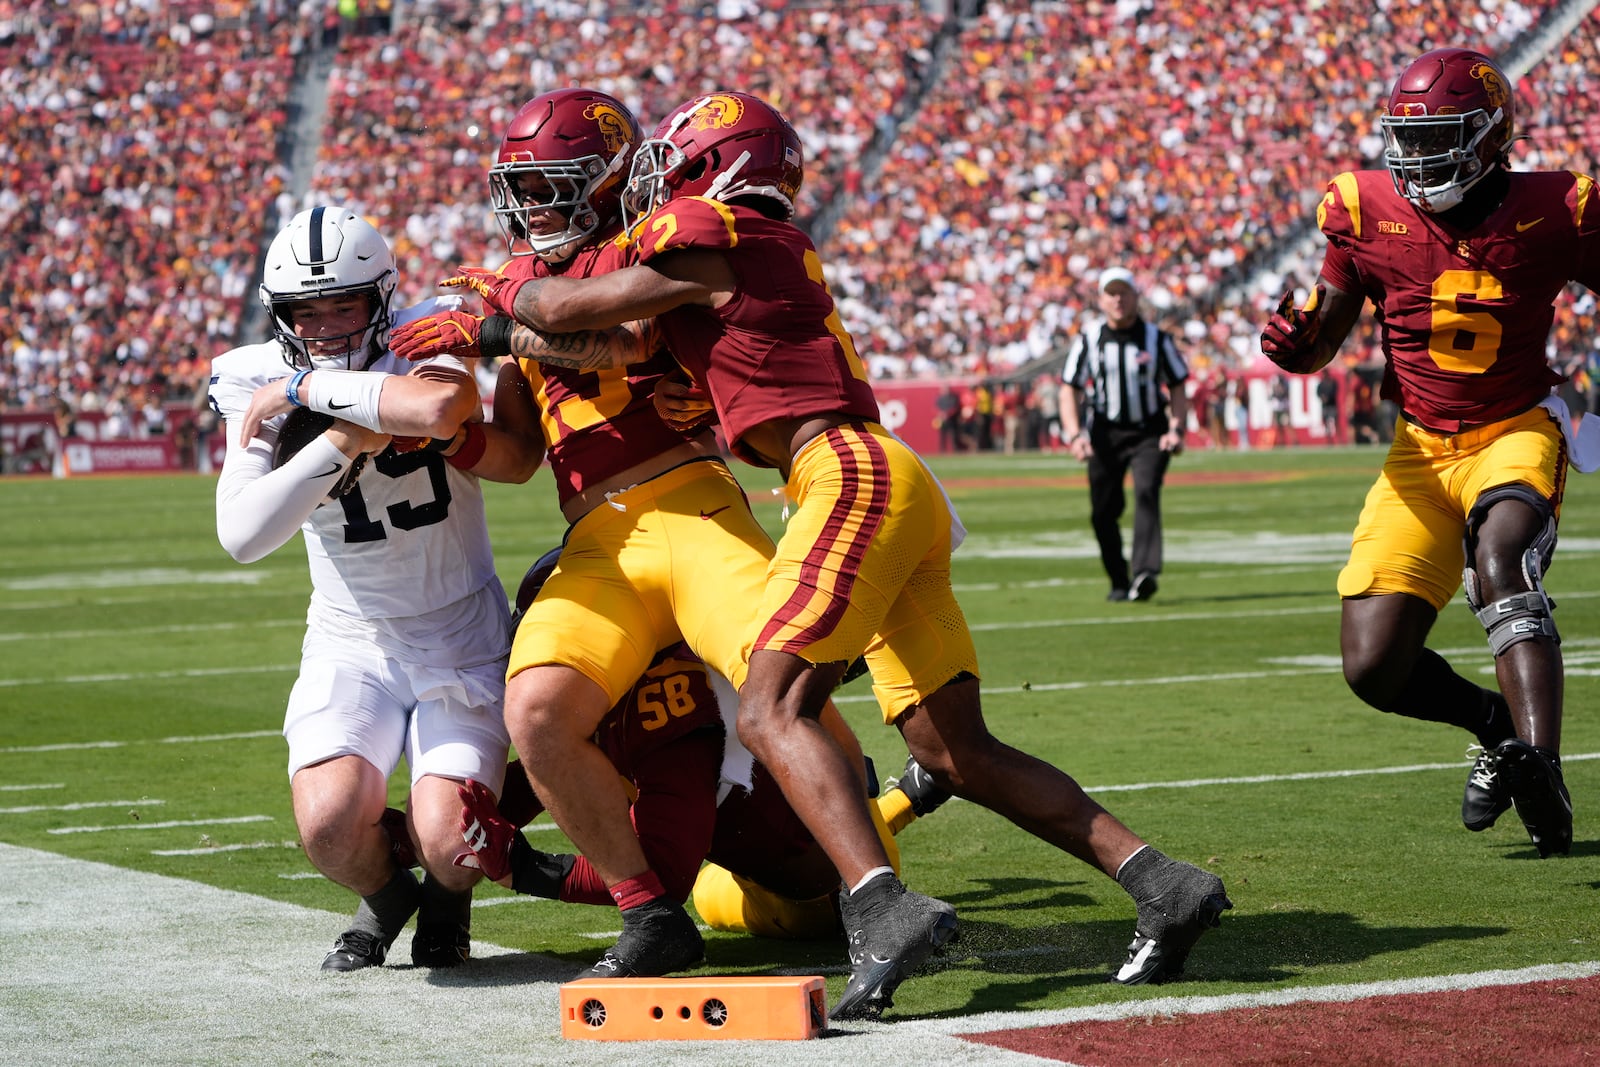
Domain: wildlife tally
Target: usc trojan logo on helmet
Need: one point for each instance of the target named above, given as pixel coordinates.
(615, 127)
(717, 113)
(1493, 87)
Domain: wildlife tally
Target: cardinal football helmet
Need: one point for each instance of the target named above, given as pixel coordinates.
(329, 251)
(1449, 121)
(722, 146)
(566, 151)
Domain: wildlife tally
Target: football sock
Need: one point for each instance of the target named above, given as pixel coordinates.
(641, 889)
(444, 905)
(1436, 693)
(386, 912)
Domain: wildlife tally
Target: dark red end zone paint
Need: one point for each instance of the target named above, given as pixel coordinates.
(1550, 1024)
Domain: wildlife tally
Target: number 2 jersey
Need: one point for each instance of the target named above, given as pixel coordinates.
(1465, 314)
(776, 349)
(411, 537)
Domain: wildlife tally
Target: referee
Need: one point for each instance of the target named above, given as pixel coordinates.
(1126, 372)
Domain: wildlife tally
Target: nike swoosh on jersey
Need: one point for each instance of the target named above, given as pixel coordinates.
(333, 469)
(1524, 226)
(714, 511)
(340, 407)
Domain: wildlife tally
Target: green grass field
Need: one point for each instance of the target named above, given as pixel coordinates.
(144, 677)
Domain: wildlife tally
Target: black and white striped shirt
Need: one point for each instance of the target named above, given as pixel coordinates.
(1122, 371)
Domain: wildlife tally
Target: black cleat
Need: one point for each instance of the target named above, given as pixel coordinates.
(1144, 586)
(919, 787)
(1484, 799)
(657, 939)
(1190, 902)
(354, 950)
(1117, 594)
(1532, 778)
(441, 944)
(890, 930)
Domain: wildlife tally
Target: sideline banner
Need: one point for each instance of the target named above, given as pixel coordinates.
(146, 454)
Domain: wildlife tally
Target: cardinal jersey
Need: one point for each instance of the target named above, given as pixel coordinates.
(777, 349)
(596, 423)
(1465, 314)
(671, 700)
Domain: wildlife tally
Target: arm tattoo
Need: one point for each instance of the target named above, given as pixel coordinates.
(590, 350)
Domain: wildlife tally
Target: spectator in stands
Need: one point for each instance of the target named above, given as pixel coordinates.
(1130, 375)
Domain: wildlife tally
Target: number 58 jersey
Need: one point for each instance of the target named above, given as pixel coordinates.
(1465, 314)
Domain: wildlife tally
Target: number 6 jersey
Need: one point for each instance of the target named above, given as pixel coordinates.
(1465, 313)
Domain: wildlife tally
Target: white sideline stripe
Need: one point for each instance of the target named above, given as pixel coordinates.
(1168, 1006)
(159, 825)
(40, 785)
(81, 805)
(223, 848)
(1118, 683)
(195, 739)
(300, 876)
(238, 979)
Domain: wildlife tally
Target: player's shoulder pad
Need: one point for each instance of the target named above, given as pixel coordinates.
(1581, 199)
(239, 372)
(433, 305)
(686, 222)
(1339, 213)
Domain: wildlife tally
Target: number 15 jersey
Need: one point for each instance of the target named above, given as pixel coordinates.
(1465, 314)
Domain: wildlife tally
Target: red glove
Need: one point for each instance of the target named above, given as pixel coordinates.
(682, 404)
(487, 834)
(453, 332)
(499, 292)
(1291, 335)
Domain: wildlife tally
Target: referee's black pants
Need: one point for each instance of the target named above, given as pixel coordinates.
(1114, 451)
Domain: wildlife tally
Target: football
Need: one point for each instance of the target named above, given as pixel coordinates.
(300, 428)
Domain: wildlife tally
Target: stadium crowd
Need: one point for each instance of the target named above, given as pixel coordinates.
(966, 176)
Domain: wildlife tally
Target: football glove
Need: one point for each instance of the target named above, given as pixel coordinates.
(302, 426)
(499, 292)
(682, 404)
(453, 332)
(487, 834)
(1291, 335)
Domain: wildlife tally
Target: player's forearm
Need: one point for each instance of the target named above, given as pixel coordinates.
(589, 350)
(260, 509)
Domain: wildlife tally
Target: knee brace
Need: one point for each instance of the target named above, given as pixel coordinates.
(1520, 616)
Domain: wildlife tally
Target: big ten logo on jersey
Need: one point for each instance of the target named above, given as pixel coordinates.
(668, 692)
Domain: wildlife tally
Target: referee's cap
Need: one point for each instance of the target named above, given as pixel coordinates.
(1117, 274)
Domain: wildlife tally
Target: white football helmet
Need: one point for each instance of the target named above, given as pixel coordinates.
(329, 251)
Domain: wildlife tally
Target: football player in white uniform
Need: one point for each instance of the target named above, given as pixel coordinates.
(405, 647)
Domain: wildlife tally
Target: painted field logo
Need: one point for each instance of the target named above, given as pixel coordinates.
(615, 127)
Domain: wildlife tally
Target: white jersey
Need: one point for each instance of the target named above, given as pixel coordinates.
(409, 540)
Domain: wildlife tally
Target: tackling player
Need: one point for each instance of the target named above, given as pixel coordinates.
(667, 740)
(653, 509)
(864, 562)
(1462, 259)
(405, 645)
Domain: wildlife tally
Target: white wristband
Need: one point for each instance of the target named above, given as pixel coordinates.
(346, 394)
